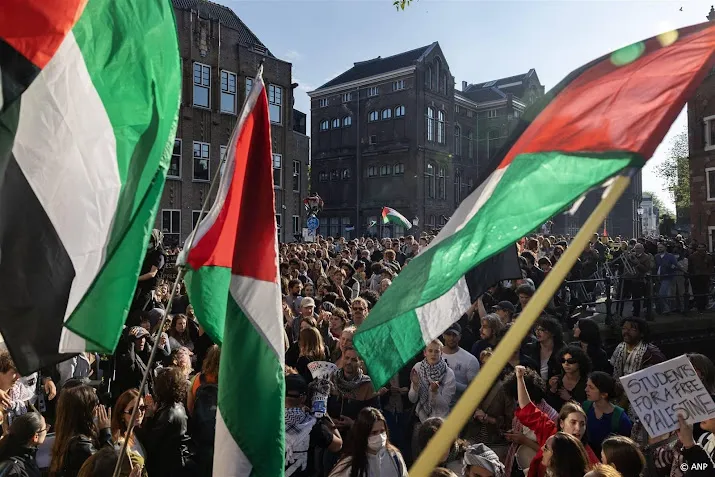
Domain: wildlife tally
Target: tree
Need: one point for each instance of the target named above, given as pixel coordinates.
(401, 4)
(667, 223)
(660, 205)
(674, 171)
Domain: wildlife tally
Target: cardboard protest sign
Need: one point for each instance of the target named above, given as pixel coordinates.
(660, 392)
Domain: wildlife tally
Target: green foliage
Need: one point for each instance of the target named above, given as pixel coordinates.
(674, 171)
(401, 4)
(660, 205)
(667, 224)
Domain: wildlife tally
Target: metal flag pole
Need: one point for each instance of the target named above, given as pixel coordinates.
(478, 388)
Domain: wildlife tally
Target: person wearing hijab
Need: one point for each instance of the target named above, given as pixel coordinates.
(480, 461)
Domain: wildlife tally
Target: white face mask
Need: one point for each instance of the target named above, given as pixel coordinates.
(375, 443)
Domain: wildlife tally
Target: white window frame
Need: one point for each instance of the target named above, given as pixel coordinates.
(441, 139)
(386, 170)
(323, 102)
(275, 91)
(227, 91)
(399, 111)
(373, 116)
(386, 114)
(492, 113)
(347, 97)
(296, 224)
(222, 158)
(441, 183)
(709, 141)
(194, 158)
(171, 220)
(202, 83)
(324, 125)
(296, 173)
(429, 176)
(347, 121)
(430, 124)
(372, 171)
(194, 215)
(181, 150)
(398, 85)
(279, 224)
(335, 123)
(399, 168)
(470, 113)
(457, 140)
(279, 159)
(373, 91)
(709, 189)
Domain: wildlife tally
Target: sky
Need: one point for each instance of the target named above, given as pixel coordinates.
(482, 40)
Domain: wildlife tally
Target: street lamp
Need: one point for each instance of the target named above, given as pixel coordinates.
(639, 210)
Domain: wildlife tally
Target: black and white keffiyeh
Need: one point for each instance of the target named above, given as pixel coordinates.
(429, 373)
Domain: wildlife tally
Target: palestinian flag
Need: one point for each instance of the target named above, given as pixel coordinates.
(391, 215)
(89, 99)
(603, 120)
(233, 284)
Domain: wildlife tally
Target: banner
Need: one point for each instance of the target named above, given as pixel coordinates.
(660, 392)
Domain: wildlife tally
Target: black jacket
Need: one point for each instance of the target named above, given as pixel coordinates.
(533, 351)
(168, 447)
(20, 461)
(80, 449)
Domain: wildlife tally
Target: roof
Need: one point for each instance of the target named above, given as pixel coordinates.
(226, 17)
(483, 95)
(511, 85)
(379, 65)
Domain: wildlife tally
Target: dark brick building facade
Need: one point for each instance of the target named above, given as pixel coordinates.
(396, 132)
(220, 56)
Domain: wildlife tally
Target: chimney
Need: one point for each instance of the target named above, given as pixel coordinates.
(464, 85)
(711, 15)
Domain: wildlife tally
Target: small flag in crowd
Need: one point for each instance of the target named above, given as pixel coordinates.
(391, 215)
(89, 101)
(589, 128)
(232, 281)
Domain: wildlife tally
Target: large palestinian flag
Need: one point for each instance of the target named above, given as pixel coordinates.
(603, 120)
(232, 281)
(89, 96)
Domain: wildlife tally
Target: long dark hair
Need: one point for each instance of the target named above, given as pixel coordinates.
(356, 449)
(75, 416)
(568, 456)
(21, 431)
(584, 362)
(605, 384)
(589, 333)
(170, 386)
(705, 368)
(553, 327)
(623, 454)
(535, 385)
(119, 427)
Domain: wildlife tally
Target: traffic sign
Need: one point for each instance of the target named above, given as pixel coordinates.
(313, 222)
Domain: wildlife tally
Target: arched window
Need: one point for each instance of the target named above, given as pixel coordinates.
(429, 181)
(324, 125)
(399, 111)
(457, 141)
(437, 73)
(399, 168)
(347, 121)
(441, 184)
(430, 124)
(440, 127)
(457, 188)
(372, 116)
(428, 78)
(386, 113)
(443, 83)
(336, 123)
(470, 145)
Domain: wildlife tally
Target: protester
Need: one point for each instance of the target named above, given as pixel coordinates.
(570, 384)
(121, 419)
(602, 417)
(547, 349)
(464, 365)
(624, 455)
(18, 448)
(564, 456)
(452, 459)
(588, 334)
(479, 460)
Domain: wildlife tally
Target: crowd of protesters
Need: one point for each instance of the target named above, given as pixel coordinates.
(557, 408)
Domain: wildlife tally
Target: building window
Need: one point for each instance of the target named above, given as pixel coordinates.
(347, 97)
(710, 183)
(336, 123)
(470, 145)
(372, 116)
(432, 221)
(470, 185)
(709, 133)
(372, 171)
(196, 217)
(324, 125)
(441, 184)
(346, 174)
(175, 164)
(429, 179)
(275, 103)
(296, 225)
(430, 124)
(398, 85)
(492, 113)
(335, 175)
(399, 168)
(277, 166)
(373, 139)
(249, 85)
(323, 102)
(279, 224)
(443, 84)
(347, 121)
(437, 74)
(202, 85)
(440, 127)
(171, 225)
(386, 170)
(334, 226)
(373, 91)
(457, 188)
(296, 176)
(457, 140)
(223, 160)
(202, 161)
(456, 108)
(386, 113)
(323, 176)
(228, 92)
(470, 114)
(428, 78)
(399, 111)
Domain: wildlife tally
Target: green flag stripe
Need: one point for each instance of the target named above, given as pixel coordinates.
(130, 48)
(208, 288)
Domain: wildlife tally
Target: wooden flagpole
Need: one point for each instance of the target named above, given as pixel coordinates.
(479, 387)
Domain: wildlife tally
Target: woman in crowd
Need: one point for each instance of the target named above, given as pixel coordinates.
(480, 461)
(181, 358)
(453, 458)
(346, 341)
(310, 348)
(546, 351)
(369, 452)
(588, 337)
(570, 385)
(564, 456)
(164, 433)
(77, 436)
(208, 374)
(19, 446)
(489, 332)
(102, 464)
(572, 420)
(624, 455)
(432, 384)
(179, 333)
(120, 425)
(602, 417)
(603, 470)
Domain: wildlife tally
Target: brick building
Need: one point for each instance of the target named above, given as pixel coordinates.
(220, 56)
(396, 132)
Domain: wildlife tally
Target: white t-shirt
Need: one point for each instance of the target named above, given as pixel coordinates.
(465, 366)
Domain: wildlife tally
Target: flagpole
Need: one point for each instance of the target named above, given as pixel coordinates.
(473, 395)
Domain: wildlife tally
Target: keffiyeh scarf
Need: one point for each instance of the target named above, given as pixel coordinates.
(484, 457)
(347, 388)
(429, 373)
(625, 363)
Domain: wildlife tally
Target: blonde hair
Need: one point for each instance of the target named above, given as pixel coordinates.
(310, 343)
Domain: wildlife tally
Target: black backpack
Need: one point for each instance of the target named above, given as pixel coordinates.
(7, 465)
(203, 418)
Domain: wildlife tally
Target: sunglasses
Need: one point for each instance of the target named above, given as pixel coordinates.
(142, 408)
(569, 360)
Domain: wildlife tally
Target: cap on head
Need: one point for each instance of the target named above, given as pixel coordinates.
(505, 305)
(454, 328)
